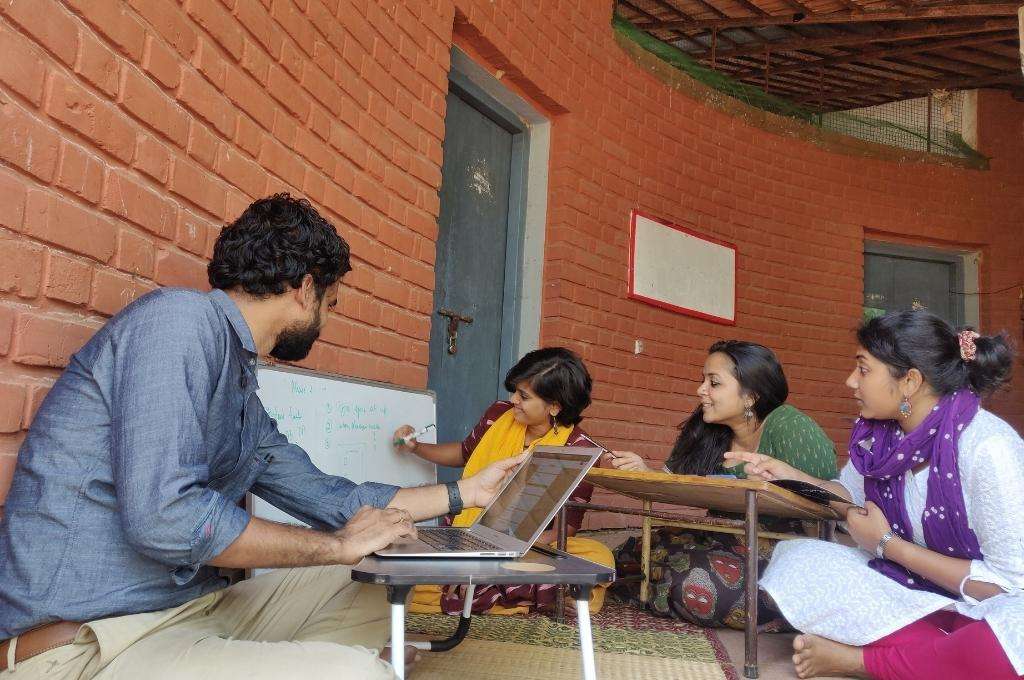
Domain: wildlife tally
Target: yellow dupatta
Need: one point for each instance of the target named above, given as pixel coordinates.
(504, 439)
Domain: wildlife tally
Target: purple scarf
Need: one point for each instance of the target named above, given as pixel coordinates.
(880, 451)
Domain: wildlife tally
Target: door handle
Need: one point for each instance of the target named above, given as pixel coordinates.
(454, 318)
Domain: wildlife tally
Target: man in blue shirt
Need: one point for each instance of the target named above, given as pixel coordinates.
(125, 499)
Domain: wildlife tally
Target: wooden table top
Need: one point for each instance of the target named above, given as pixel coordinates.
(713, 493)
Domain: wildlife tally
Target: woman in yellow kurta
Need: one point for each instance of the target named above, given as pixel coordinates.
(549, 389)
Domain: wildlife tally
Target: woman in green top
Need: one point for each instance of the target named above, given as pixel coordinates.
(698, 576)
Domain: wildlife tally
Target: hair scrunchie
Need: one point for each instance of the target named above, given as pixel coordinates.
(968, 350)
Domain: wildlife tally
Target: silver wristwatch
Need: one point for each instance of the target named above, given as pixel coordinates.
(882, 542)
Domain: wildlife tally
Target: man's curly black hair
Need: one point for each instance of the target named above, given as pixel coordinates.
(276, 241)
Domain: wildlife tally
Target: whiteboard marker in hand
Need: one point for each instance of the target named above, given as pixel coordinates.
(407, 439)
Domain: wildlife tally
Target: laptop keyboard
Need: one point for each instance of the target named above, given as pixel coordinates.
(450, 539)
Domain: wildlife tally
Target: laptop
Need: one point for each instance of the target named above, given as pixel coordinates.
(519, 513)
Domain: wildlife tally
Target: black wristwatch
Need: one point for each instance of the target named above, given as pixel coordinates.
(454, 498)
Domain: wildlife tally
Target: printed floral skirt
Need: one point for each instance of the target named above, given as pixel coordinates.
(696, 576)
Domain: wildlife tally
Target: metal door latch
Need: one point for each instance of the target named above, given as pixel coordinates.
(454, 318)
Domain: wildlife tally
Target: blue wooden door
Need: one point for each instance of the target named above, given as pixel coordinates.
(470, 268)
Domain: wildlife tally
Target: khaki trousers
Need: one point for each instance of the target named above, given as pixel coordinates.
(306, 623)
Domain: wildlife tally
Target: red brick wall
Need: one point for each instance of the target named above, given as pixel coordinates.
(130, 131)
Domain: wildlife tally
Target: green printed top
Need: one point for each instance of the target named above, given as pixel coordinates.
(790, 435)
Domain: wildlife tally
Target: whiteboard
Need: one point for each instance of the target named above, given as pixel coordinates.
(678, 269)
(346, 427)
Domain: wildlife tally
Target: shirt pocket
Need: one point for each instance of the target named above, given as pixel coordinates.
(236, 450)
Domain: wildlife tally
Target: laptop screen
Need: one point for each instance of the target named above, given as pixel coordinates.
(524, 505)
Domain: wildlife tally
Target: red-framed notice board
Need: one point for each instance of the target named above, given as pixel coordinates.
(677, 268)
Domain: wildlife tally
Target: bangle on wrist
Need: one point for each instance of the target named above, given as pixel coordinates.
(882, 543)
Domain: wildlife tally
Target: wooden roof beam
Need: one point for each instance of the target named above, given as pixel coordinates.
(721, 14)
(1005, 48)
(828, 81)
(882, 71)
(851, 5)
(798, 7)
(943, 66)
(883, 52)
(650, 17)
(905, 69)
(840, 78)
(918, 86)
(859, 76)
(976, 57)
(860, 73)
(931, 30)
(919, 68)
(753, 8)
(797, 88)
(940, 12)
(707, 5)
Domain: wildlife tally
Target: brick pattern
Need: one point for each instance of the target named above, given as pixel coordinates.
(131, 130)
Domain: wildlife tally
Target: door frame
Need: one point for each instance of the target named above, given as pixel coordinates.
(527, 204)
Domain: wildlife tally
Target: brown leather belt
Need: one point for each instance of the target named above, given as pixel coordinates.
(38, 640)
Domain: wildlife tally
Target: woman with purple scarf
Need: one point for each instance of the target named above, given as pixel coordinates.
(936, 587)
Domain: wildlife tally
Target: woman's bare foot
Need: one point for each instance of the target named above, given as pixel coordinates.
(815, 656)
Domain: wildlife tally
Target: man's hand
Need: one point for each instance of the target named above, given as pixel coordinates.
(372, 529)
(867, 525)
(479, 490)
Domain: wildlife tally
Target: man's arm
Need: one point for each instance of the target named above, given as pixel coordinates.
(163, 381)
(426, 502)
(294, 484)
(265, 544)
(478, 491)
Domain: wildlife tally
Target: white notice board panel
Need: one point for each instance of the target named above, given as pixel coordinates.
(346, 425)
(678, 269)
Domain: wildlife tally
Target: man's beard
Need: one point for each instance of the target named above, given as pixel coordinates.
(295, 342)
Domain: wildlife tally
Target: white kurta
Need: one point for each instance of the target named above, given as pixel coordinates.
(828, 590)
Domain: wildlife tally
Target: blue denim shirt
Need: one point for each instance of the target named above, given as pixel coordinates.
(130, 477)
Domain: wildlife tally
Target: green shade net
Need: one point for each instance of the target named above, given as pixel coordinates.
(861, 126)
